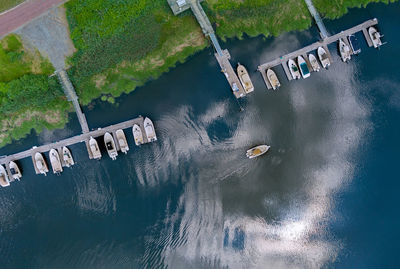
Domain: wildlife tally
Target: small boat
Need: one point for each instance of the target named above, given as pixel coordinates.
(355, 46)
(149, 130)
(245, 78)
(15, 172)
(40, 163)
(55, 161)
(4, 182)
(110, 146)
(273, 79)
(375, 37)
(323, 57)
(314, 63)
(67, 157)
(257, 151)
(123, 144)
(137, 135)
(305, 72)
(344, 50)
(94, 148)
(294, 70)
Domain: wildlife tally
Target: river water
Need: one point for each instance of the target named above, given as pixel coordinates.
(324, 196)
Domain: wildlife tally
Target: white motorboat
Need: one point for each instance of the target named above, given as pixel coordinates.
(67, 157)
(149, 130)
(15, 171)
(41, 164)
(55, 161)
(314, 63)
(375, 37)
(345, 51)
(4, 182)
(137, 135)
(273, 79)
(323, 57)
(94, 148)
(294, 70)
(257, 151)
(305, 72)
(123, 144)
(110, 146)
(245, 78)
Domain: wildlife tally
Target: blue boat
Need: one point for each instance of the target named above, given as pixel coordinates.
(355, 46)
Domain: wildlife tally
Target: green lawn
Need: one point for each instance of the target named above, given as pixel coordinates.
(7, 4)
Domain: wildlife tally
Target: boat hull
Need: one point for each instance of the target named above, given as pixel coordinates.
(294, 70)
(257, 151)
(273, 79)
(344, 50)
(245, 79)
(40, 163)
(323, 57)
(305, 72)
(4, 180)
(94, 148)
(110, 146)
(314, 63)
(123, 143)
(149, 130)
(67, 157)
(137, 135)
(15, 171)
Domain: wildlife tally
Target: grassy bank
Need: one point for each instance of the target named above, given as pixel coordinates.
(7, 4)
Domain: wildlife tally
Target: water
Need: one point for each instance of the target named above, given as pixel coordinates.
(324, 196)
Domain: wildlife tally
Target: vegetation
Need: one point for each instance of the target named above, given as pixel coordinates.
(7, 4)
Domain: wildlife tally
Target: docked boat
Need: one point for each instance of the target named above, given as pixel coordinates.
(314, 63)
(305, 72)
(123, 144)
(323, 57)
(294, 70)
(375, 37)
(110, 146)
(355, 46)
(257, 151)
(149, 130)
(15, 171)
(40, 163)
(245, 78)
(4, 182)
(344, 50)
(67, 157)
(137, 135)
(55, 161)
(94, 148)
(273, 79)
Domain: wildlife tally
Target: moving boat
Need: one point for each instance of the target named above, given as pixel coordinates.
(137, 135)
(55, 161)
(344, 50)
(4, 182)
(314, 63)
(273, 79)
(355, 46)
(294, 70)
(149, 130)
(257, 151)
(305, 72)
(375, 37)
(15, 172)
(67, 157)
(245, 78)
(110, 146)
(123, 144)
(94, 148)
(40, 163)
(323, 57)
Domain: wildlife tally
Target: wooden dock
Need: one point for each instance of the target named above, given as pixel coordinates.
(323, 43)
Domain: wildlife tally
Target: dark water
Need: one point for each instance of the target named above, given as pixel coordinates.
(326, 195)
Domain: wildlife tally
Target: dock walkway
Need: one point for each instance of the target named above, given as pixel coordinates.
(321, 26)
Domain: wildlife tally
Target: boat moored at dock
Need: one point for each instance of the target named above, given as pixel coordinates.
(110, 146)
(15, 171)
(41, 163)
(257, 151)
(245, 78)
(149, 130)
(123, 144)
(294, 70)
(55, 161)
(4, 181)
(137, 135)
(344, 50)
(314, 63)
(94, 148)
(67, 157)
(323, 57)
(305, 72)
(375, 37)
(355, 46)
(273, 79)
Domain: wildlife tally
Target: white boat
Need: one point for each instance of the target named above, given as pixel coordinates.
(55, 161)
(375, 37)
(294, 70)
(94, 148)
(67, 157)
(305, 72)
(273, 79)
(245, 78)
(4, 182)
(323, 57)
(257, 151)
(110, 146)
(41, 163)
(314, 63)
(123, 144)
(137, 135)
(345, 51)
(15, 171)
(149, 130)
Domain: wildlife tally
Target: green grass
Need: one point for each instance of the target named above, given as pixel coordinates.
(7, 4)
